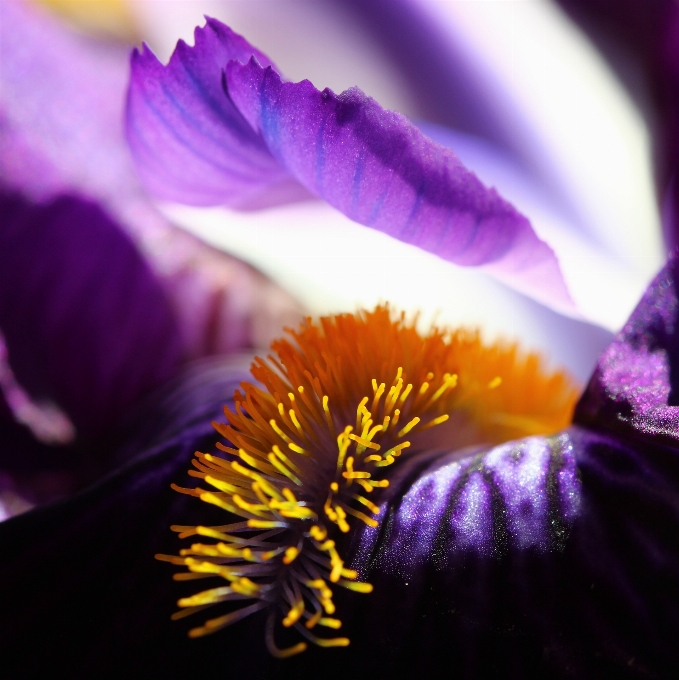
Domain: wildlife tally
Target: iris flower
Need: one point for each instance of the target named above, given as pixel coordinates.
(545, 556)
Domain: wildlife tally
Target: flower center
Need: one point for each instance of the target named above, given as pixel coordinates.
(310, 449)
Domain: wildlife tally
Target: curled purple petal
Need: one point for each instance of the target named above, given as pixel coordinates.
(190, 143)
(85, 320)
(381, 171)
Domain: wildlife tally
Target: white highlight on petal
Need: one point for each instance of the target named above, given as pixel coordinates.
(332, 264)
(570, 115)
(605, 288)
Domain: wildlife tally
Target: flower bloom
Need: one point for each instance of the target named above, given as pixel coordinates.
(540, 557)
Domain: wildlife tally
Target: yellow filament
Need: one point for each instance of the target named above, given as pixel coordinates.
(424, 387)
(369, 504)
(408, 427)
(290, 554)
(206, 597)
(294, 614)
(357, 586)
(378, 393)
(448, 383)
(293, 417)
(363, 517)
(282, 469)
(359, 412)
(265, 524)
(326, 411)
(365, 442)
(435, 421)
(405, 394)
(213, 499)
(279, 432)
(318, 533)
(495, 382)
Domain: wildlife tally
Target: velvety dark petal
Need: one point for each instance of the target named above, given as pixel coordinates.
(634, 388)
(190, 142)
(85, 321)
(381, 171)
(545, 558)
(641, 40)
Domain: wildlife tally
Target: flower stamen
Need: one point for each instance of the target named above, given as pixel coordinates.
(325, 423)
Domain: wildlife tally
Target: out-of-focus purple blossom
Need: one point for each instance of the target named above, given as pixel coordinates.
(61, 130)
(641, 41)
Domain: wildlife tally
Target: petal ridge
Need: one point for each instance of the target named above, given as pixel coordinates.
(189, 141)
(377, 168)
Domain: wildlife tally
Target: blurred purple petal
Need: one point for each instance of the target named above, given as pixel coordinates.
(62, 99)
(379, 170)
(641, 40)
(190, 142)
(85, 320)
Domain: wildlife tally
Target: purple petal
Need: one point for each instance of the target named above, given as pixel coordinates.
(86, 322)
(190, 142)
(634, 386)
(379, 170)
(62, 100)
(541, 558)
(548, 557)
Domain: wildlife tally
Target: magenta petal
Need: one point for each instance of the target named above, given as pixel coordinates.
(381, 171)
(190, 142)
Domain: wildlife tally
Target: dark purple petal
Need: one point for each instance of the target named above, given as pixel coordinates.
(381, 171)
(85, 321)
(544, 558)
(190, 142)
(634, 389)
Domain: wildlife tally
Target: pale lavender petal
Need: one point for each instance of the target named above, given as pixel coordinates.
(379, 170)
(190, 142)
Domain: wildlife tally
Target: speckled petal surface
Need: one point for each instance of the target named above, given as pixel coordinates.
(85, 320)
(190, 142)
(381, 171)
(634, 387)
